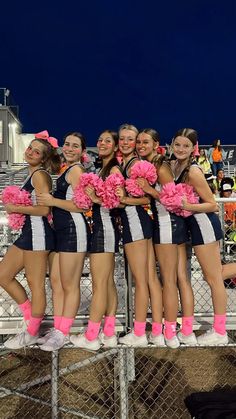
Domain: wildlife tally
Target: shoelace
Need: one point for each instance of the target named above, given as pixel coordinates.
(55, 337)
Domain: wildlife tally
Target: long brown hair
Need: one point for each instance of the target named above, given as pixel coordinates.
(105, 171)
(51, 160)
(192, 136)
(159, 158)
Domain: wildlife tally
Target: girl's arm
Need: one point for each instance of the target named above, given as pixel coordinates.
(197, 180)
(164, 176)
(68, 205)
(130, 200)
(42, 184)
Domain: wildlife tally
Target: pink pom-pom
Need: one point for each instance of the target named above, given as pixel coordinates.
(16, 196)
(133, 189)
(80, 198)
(171, 197)
(109, 197)
(142, 169)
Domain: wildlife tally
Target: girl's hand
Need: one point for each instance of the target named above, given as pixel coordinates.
(10, 208)
(120, 193)
(45, 199)
(90, 191)
(184, 203)
(143, 184)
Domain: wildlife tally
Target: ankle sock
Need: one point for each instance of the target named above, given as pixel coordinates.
(219, 323)
(169, 329)
(65, 325)
(92, 330)
(25, 309)
(156, 328)
(139, 328)
(34, 325)
(109, 325)
(187, 325)
(57, 321)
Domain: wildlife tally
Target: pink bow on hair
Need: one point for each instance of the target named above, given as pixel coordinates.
(196, 151)
(43, 135)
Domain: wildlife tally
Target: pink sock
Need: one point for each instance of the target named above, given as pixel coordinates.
(34, 325)
(170, 329)
(156, 328)
(187, 325)
(109, 325)
(139, 328)
(219, 323)
(65, 324)
(25, 309)
(57, 321)
(92, 330)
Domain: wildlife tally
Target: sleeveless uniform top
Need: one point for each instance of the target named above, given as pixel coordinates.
(37, 233)
(105, 234)
(204, 228)
(136, 223)
(168, 228)
(72, 230)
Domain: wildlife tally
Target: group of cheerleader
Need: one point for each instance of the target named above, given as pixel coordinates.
(162, 237)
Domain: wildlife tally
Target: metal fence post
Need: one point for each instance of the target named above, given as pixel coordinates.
(54, 384)
(124, 405)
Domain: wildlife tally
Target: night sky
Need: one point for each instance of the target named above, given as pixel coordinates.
(92, 65)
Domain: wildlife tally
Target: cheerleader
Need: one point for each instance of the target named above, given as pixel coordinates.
(31, 249)
(104, 244)
(205, 230)
(72, 239)
(169, 234)
(137, 235)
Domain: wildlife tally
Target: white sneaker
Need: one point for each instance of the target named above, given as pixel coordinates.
(158, 340)
(43, 339)
(81, 341)
(108, 341)
(190, 340)
(132, 340)
(21, 340)
(172, 343)
(212, 338)
(55, 341)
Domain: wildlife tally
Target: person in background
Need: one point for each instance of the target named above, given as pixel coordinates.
(226, 189)
(216, 156)
(30, 251)
(217, 181)
(210, 180)
(203, 161)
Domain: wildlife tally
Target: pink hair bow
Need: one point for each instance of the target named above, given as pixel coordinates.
(43, 135)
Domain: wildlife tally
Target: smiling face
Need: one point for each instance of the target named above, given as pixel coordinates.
(182, 148)
(34, 154)
(106, 145)
(145, 145)
(127, 141)
(72, 149)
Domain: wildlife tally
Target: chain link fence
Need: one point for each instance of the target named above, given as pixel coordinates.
(115, 383)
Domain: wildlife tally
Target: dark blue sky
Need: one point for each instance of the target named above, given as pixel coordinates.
(93, 65)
